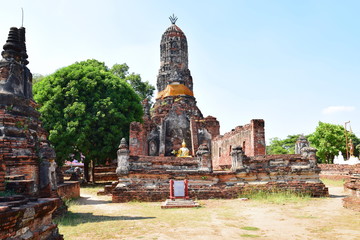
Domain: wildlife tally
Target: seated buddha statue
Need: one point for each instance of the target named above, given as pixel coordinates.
(183, 151)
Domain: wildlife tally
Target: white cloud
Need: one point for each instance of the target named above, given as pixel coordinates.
(336, 109)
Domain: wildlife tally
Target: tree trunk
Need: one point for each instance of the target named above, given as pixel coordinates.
(92, 172)
(86, 171)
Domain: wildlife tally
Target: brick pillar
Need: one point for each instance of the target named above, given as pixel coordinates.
(194, 135)
(2, 174)
(258, 137)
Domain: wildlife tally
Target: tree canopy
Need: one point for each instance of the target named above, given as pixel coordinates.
(285, 146)
(143, 89)
(329, 139)
(86, 109)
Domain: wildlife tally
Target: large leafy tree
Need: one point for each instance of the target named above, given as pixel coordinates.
(282, 146)
(329, 139)
(86, 109)
(143, 88)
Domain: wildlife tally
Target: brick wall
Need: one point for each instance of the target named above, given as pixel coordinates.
(250, 137)
(31, 220)
(337, 171)
(150, 182)
(69, 189)
(137, 139)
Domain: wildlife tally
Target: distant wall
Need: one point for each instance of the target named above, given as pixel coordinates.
(337, 171)
(250, 137)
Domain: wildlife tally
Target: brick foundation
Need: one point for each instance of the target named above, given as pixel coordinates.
(149, 181)
(30, 220)
(69, 189)
(337, 171)
(353, 187)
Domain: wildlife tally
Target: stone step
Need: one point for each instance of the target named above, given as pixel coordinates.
(179, 203)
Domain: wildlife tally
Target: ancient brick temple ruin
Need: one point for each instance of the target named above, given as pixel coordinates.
(352, 186)
(217, 166)
(27, 172)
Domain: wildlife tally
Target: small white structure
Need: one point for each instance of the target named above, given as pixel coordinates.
(353, 160)
(340, 160)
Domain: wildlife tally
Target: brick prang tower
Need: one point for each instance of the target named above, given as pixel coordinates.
(23, 141)
(175, 116)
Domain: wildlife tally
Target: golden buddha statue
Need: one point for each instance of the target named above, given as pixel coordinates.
(351, 148)
(183, 151)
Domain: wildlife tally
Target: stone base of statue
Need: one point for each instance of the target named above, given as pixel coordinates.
(179, 203)
(353, 160)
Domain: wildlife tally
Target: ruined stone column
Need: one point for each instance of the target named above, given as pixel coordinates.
(310, 153)
(301, 142)
(237, 157)
(204, 158)
(123, 155)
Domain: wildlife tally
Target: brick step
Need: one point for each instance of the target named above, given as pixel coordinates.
(109, 169)
(15, 203)
(101, 193)
(15, 177)
(106, 191)
(11, 198)
(20, 186)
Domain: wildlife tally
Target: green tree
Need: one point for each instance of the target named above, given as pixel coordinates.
(37, 78)
(143, 89)
(285, 146)
(86, 109)
(329, 139)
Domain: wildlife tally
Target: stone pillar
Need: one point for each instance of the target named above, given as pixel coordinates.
(310, 153)
(162, 138)
(237, 157)
(46, 181)
(123, 155)
(301, 142)
(204, 158)
(52, 174)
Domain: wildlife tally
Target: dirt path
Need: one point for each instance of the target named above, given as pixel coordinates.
(321, 218)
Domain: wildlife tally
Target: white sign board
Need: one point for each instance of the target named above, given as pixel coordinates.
(179, 189)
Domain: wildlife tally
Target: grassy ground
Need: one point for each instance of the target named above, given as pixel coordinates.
(261, 217)
(333, 183)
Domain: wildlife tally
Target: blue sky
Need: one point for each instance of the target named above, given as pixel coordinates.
(291, 63)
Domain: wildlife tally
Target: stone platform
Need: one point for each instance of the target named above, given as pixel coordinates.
(179, 203)
(147, 181)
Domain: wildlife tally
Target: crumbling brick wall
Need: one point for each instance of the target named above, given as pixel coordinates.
(30, 220)
(353, 187)
(148, 178)
(337, 171)
(250, 137)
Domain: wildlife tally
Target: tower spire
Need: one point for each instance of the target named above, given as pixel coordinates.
(173, 19)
